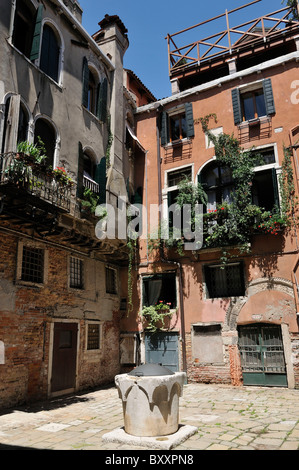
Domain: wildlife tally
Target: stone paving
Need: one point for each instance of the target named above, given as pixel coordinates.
(227, 418)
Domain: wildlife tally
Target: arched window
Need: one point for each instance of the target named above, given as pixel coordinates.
(15, 123)
(94, 92)
(23, 27)
(46, 132)
(50, 51)
(218, 184)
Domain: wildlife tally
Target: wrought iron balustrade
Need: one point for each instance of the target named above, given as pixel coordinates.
(34, 179)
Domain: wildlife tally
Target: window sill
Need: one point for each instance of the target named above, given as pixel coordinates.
(176, 143)
(92, 115)
(254, 122)
(30, 284)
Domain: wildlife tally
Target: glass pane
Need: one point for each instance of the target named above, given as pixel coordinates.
(175, 128)
(184, 127)
(248, 104)
(260, 104)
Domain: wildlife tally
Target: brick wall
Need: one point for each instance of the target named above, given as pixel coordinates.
(26, 314)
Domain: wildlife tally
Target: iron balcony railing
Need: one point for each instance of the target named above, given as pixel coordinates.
(230, 39)
(33, 179)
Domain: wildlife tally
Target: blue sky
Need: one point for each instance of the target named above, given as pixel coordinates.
(149, 22)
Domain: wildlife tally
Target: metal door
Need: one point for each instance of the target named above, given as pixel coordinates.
(64, 356)
(262, 355)
(162, 348)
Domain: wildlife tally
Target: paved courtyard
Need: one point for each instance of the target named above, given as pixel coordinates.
(226, 418)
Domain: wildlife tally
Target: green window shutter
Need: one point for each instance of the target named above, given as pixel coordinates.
(189, 119)
(100, 178)
(138, 195)
(85, 82)
(37, 34)
(102, 101)
(98, 106)
(275, 188)
(268, 94)
(164, 129)
(236, 106)
(80, 172)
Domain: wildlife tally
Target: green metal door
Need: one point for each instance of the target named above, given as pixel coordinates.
(262, 355)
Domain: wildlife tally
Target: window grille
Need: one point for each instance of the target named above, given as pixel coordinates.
(32, 264)
(225, 281)
(93, 336)
(76, 273)
(111, 287)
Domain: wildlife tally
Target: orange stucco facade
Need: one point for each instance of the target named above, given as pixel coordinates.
(269, 269)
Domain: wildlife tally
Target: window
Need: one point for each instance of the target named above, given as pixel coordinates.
(159, 287)
(177, 124)
(76, 273)
(32, 264)
(218, 184)
(253, 101)
(23, 27)
(50, 51)
(93, 336)
(111, 283)
(175, 177)
(45, 130)
(94, 92)
(16, 122)
(224, 281)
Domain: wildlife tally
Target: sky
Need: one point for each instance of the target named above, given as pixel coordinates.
(148, 23)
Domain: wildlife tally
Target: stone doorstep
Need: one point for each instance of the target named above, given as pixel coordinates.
(158, 442)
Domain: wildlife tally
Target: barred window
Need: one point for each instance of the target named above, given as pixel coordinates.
(225, 281)
(93, 336)
(32, 265)
(111, 285)
(76, 273)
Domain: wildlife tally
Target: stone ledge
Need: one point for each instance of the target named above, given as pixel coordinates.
(167, 442)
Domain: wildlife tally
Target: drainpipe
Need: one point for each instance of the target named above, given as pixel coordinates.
(179, 267)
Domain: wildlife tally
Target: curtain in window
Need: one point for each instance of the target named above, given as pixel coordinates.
(151, 291)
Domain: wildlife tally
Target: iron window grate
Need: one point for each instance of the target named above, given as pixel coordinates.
(225, 281)
(32, 264)
(76, 273)
(93, 336)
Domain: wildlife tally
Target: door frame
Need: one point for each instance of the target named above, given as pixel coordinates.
(51, 352)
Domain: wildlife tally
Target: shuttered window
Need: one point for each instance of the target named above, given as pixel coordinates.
(94, 95)
(34, 54)
(49, 59)
(178, 125)
(252, 104)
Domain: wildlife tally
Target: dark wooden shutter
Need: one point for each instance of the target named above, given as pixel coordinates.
(80, 172)
(189, 119)
(236, 106)
(37, 33)
(164, 128)
(102, 104)
(100, 178)
(85, 82)
(98, 105)
(268, 94)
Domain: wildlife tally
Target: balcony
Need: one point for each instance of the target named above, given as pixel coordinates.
(22, 178)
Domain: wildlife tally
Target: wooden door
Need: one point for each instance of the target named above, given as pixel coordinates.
(64, 357)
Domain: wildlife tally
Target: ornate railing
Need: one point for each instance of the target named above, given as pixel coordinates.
(34, 179)
(231, 38)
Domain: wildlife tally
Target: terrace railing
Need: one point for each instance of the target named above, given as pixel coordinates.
(35, 181)
(231, 38)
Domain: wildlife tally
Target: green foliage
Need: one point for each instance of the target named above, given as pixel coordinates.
(90, 200)
(155, 315)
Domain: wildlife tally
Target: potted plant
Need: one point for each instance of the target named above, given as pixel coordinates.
(156, 316)
(89, 202)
